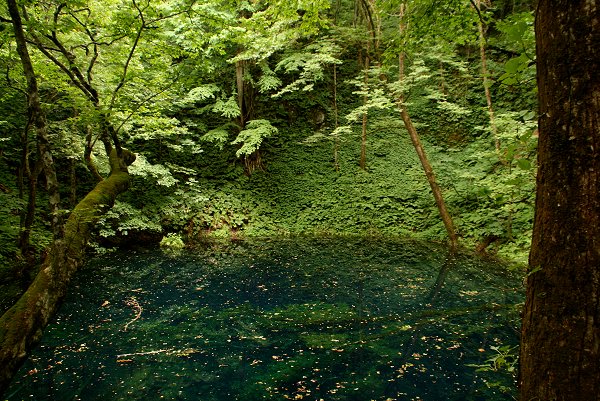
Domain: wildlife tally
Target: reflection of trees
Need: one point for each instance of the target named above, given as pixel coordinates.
(449, 263)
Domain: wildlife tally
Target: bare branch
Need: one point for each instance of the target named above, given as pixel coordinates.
(69, 71)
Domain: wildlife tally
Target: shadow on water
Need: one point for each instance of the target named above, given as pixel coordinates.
(315, 319)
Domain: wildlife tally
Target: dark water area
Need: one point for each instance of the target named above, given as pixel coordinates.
(313, 319)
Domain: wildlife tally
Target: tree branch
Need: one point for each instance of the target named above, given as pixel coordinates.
(140, 104)
(93, 42)
(478, 12)
(129, 57)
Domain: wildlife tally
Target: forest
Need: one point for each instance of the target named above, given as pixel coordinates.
(178, 124)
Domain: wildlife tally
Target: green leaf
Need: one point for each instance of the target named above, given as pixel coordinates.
(524, 164)
(251, 138)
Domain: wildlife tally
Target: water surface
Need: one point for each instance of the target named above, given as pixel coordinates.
(314, 319)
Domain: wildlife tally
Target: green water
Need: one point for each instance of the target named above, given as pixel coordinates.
(314, 319)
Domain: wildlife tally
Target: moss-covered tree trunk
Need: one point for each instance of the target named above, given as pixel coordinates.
(21, 326)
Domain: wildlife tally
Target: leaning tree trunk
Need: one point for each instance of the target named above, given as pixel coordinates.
(21, 326)
(416, 141)
(435, 188)
(560, 342)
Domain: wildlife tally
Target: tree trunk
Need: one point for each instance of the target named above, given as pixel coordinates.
(486, 81)
(73, 182)
(435, 188)
(414, 136)
(21, 326)
(29, 213)
(363, 136)
(39, 120)
(560, 342)
(241, 90)
(87, 155)
(336, 138)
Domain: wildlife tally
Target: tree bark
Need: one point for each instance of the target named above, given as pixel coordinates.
(239, 81)
(336, 139)
(435, 188)
(87, 155)
(560, 341)
(21, 326)
(29, 212)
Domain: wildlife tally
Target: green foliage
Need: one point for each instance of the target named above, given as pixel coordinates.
(503, 362)
(172, 241)
(227, 107)
(252, 136)
(173, 101)
(123, 219)
(309, 65)
(268, 79)
(10, 207)
(158, 173)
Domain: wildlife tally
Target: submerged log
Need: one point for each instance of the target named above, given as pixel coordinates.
(21, 326)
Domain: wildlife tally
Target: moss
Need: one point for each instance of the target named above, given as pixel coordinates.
(21, 325)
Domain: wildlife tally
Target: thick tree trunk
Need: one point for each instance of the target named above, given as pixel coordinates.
(21, 326)
(560, 344)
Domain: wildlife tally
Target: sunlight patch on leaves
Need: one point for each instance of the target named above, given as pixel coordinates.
(142, 168)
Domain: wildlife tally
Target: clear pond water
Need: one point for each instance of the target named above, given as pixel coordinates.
(313, 319)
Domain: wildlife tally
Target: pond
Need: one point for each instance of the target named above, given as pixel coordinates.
(308, 318)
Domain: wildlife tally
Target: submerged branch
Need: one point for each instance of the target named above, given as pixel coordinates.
(135, 305)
